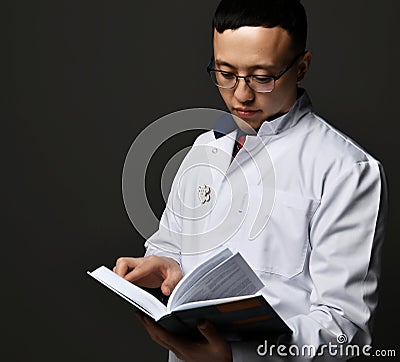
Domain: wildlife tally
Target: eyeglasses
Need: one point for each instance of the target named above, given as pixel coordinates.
(258, 83)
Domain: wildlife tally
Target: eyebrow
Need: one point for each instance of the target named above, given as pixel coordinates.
(252, 68)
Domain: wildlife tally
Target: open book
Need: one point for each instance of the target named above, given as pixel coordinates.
(224, 290)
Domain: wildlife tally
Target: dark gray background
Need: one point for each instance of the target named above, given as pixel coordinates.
(81, 79)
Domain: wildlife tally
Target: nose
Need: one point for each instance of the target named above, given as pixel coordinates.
(243, 93)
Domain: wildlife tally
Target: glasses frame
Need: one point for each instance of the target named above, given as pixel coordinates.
(247, 77)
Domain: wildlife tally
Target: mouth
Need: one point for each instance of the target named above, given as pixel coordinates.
(246, 112)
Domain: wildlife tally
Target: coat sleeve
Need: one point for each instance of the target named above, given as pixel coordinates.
(346, 235)
(166, 240)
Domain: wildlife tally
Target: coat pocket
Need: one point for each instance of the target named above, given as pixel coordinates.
(282, 246)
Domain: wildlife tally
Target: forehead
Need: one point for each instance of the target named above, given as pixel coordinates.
(247, 46)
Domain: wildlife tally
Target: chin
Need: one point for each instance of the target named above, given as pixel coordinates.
(254, 124)
(246, 125)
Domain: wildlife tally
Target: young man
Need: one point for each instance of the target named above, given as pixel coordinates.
(319, 254)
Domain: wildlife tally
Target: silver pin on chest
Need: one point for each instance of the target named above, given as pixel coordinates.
(204, 193)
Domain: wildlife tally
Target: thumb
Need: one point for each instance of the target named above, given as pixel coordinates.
(209, 331)
(170, 282)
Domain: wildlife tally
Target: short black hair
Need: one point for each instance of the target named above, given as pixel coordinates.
(287, 14)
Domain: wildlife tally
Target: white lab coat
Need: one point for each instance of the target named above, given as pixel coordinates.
(317, 250)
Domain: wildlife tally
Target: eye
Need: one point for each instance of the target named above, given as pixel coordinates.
(262, 79)
(227, 75)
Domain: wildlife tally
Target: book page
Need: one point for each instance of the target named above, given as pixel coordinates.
(205, 303)
(135, 295)
(232, 278)
(191, 278)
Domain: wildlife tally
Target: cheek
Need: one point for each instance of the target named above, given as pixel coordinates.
(270, 103)
(226, 96)
(267, 100)
(280, 100)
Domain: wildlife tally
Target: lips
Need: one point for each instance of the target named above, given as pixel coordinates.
(246, 112)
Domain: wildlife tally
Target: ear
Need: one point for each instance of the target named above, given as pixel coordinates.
(304, 66)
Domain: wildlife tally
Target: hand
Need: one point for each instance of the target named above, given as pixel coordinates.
(150, 272)
(215, 348)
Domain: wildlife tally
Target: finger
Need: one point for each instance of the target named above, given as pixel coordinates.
(153, 332)
(210, 333)
(162, 337)
(140, 270)
(124, 265)
(170, 282)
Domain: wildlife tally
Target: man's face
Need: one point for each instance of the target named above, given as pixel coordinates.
(258, 51)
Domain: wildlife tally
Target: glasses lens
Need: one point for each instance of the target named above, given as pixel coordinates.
(262, 83)
(223, 79)
(228, 80)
